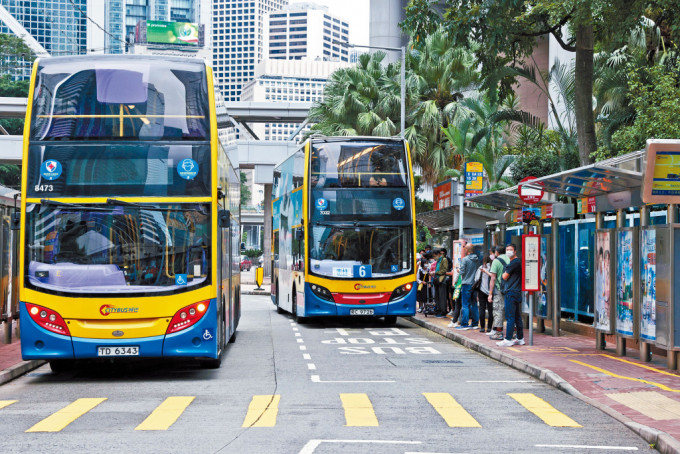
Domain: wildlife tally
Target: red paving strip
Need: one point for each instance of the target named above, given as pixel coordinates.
(10, 354)
(573, 357)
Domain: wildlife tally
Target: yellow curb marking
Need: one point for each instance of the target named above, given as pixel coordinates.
(549, 414)
(262, 411)
(452, 412)
(623, 377)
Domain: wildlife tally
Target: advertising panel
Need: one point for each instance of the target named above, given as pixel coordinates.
(603, 259)
(442, 195)
(457, 257)
(648, 284)
(542, 308)
(177, 33)
(625, 264)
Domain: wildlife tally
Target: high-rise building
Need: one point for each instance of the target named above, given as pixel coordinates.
(305, 31)
(60, 26)
(287, 81)
(238, 41)
(122, 16)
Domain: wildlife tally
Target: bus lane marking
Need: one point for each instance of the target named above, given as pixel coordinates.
(317, 379)
(62, 418)
(381, 342)
(358, 410)
(306, 356)
(298, 334)
(166, 413)
(549, 414)
(302, 347)
(448, 408)
(311, 366)
(300, 341)
(262, 411)
(7, 403)
(311, 445)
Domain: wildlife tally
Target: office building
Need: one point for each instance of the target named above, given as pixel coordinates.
(238, 41)
(287, 81)
(59, 26)
(305, 31)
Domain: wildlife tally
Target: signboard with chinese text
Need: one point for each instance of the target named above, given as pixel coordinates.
(443, 197)
(474, 178)
(662, 176)
(531, 262)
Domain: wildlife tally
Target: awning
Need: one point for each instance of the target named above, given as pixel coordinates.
(447, 218)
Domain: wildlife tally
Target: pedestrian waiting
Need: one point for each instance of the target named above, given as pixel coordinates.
(512, 289)
(495, 296)
(468, 269)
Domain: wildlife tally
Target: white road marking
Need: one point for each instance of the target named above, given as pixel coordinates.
(608, 448)
(311, 366)
(316, 379)
(298, 334)
(500, 381)
(306, 356)
(296, 329)
(300, 341)
(302, 347)
(311, 445)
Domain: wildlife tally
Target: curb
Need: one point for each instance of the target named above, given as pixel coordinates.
(18, 370)
(659, 440)
(255, 292)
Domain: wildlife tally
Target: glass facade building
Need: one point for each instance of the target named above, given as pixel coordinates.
(60, 26)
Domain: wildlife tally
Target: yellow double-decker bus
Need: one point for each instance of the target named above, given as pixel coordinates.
(343, 222)
(129, 213)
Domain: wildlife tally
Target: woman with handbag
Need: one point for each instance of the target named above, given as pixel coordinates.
(482, 283)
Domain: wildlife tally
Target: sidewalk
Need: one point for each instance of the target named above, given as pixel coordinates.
(643, 396)
(11, 364)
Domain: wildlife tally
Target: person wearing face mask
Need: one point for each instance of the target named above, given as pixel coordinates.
(512, 275)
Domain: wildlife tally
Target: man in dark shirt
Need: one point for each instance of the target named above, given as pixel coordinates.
(513, 298)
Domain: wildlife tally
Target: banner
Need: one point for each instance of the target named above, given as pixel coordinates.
(603, 281)
(624, 282)
(648, 283)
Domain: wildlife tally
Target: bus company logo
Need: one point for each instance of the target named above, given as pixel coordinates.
(108, 309)
(321, 204)
(359, 286)
(398, 204)
(187, 169)
(50, 169)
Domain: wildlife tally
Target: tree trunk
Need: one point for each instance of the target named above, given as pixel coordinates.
(583, 93)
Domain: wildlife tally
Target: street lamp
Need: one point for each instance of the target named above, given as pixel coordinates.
(402, 49)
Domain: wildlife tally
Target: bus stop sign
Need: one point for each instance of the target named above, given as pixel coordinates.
(530, 195)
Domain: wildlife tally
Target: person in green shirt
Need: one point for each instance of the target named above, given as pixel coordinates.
(495, 295)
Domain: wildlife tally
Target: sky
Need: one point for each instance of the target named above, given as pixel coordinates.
(356, 12)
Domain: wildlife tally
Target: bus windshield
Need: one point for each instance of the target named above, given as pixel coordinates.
(354, 164)
(100, 99)
(57, 169)
(338, 252)
(118, 248)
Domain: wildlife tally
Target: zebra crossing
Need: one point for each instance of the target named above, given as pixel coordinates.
(263, 411)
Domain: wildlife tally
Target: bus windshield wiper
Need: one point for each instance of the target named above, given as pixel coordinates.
(141, 206)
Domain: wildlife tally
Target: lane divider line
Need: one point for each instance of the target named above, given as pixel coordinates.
(311, 366)
(306, 356)
(300, 341)
(624, 377)
(62, 418)
(166, 413)
(358, 410)
(262, 411)
(317, 379)
(453, 413)
(302, 347)
(549, 414)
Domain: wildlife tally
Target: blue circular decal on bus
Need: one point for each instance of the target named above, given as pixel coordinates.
(187, 169)
(50, 169)
(321, 204)
(398, 204)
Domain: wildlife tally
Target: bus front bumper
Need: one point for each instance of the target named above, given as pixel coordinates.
(317, 307)
(197, 341)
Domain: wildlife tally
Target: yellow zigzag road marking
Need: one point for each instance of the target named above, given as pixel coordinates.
(262, 411)
(549, 414)
(57, 421)
(358, 410)
(452, 412)
(166, 413)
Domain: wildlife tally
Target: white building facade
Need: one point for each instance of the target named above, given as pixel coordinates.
(306, 31)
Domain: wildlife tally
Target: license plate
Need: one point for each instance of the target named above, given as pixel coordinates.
(361, 312)
(128, 350)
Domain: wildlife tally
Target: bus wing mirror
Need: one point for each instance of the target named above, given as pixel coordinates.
(223, 218)
(16, 220)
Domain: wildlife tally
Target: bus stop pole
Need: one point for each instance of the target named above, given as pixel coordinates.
(554, 276)
(620, 340)
(600, 342)
(645, 350)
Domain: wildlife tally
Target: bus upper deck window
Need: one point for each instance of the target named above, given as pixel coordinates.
(120, 86)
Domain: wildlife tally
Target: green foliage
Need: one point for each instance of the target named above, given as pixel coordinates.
(252, 253)
(10, 176)
(655, 96)
(13, 88)
(245, 191)
(422, 206)
(15, 54)
(428, 237)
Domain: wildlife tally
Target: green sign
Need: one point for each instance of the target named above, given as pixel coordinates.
(178, 33)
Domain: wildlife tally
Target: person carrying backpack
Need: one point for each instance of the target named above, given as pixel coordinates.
(512, 275)
(495, 295)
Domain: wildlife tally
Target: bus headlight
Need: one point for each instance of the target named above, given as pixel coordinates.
(322, 292)
(401, 291)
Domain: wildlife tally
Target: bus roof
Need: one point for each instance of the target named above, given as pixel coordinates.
(126, 57)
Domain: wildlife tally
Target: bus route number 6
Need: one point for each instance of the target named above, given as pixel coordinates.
(362, 271)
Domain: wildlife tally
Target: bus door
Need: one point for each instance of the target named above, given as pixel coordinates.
(224, 267)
